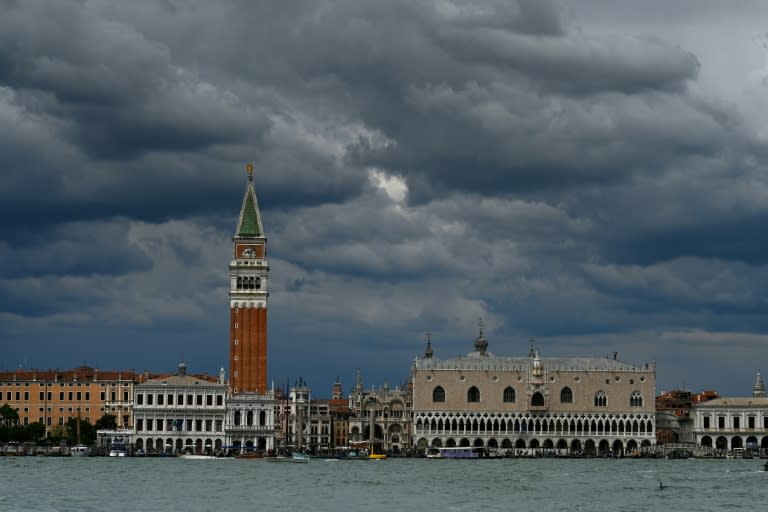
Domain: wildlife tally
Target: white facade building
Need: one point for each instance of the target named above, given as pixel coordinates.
(734, 424)
(180, 414)
(250, 424)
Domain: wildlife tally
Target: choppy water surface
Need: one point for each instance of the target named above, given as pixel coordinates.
(148, 484)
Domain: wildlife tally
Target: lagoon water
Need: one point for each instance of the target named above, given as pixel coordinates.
(171, 484)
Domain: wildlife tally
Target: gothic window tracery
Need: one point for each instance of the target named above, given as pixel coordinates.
(438, 394)
(636, 399)
(566, 395)
(509, 395)
(600, 399)
(473, 395)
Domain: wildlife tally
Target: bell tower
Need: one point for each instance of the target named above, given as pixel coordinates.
(248, 293)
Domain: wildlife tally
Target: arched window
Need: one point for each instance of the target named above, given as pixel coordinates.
(509, 395)
(473, 394)
(537, 400)
(600, 399)
(438, 394)
(636, 399)
(566, 395)
(258, 283)
(249, 418)
(237, 417)
(262, 418)
(251, 283)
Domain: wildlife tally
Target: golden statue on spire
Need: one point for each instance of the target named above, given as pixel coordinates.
(249, 169)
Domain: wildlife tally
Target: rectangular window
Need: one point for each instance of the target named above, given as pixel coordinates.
(50, 396)
(190, 400)
(87, 396)
(199, 425)
(61, 421)
(139, 425)
(180, 399)
(160, 399)
(149, 399)
(114, 396)
(736, 422)
(103, 396)
(42, 396)
(219, 425)
(9, 395)
(159, 425)
(189, 425)
(125, 396)
(219, 400)
(140, 399)
(26, 396)
(149, 423)
(706, 421)
(79, 396)
(170, 399)
(751, 423)
(199, 399)
(18, 396)
(208, 425)
(209, 400)
(70, 396)
(765, 421)
(721, 422)
(48, 421)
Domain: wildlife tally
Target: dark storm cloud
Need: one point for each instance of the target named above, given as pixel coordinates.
(75, 249)
(419, 164)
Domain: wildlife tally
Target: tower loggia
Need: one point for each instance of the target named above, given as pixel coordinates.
(248, 295)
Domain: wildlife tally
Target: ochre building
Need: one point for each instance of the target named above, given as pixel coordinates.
(51, 397)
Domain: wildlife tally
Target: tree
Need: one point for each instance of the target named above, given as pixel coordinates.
(8, 416)
(107, 422)
(57, 433)
(87, 432)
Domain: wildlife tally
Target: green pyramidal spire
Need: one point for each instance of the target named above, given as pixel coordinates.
(249, 224)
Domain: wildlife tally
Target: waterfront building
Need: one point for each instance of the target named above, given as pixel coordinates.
(52, 397)
(674, 415)
(180, 413)
(734, 423)
(251, 416)
(586, 406)
(307, 420)
(674, 423)
(341, 413)
(381, 416)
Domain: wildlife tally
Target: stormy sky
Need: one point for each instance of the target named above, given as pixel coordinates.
(589, 174)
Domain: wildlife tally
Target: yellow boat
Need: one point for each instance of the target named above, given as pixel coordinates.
(376, 456)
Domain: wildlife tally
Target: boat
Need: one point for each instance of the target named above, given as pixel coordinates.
(79, 450)
(376, 456)
(195, 456)
(301, 458)
(118, 450)
(457, 452)
(250, 455)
